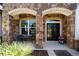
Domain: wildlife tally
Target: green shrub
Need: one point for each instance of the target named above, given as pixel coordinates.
(15, 49)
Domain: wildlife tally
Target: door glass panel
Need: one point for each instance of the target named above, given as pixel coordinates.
(49, 31)
(53, 31)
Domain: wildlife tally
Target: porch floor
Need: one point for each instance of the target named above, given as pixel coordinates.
(50, 46)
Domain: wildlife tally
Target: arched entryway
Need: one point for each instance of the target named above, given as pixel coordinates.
(61, 16)
(53, 27)
(25, 13)
(22, 23)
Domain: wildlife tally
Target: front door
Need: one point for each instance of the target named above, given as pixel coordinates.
(53, 31)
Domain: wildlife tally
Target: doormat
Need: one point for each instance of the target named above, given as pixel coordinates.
(62, 53)
(40, 53)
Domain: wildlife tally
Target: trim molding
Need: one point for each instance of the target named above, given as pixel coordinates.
(22, 11)
(57, 10)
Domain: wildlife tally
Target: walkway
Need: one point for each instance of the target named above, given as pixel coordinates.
(50, 46)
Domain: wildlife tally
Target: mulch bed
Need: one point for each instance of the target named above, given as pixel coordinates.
(62, 53)
(40, 53)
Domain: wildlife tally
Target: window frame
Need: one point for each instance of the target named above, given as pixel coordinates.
(28, 26)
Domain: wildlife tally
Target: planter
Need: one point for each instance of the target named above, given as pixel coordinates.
(61, 39)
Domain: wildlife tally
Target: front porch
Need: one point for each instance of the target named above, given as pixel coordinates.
(50, 46)
(14, 13)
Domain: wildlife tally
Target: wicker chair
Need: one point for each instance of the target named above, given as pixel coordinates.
(21, 38)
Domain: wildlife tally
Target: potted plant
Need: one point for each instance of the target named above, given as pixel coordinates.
(61, 39)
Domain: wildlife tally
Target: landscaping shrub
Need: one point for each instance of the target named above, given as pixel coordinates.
(15, 49)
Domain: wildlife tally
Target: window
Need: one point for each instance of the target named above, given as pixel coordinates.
(28, 27)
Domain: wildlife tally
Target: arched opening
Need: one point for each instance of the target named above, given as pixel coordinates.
(53, 26)
(22, 11)
(57, 10)
(22, 24)
(55, 21)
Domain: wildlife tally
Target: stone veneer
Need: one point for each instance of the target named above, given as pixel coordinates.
(39, 33)
(10, 26)
(71, 30)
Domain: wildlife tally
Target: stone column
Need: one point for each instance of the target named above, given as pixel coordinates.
(10, 29)
(5, 24)
(64, 28)
(39, 33)
(44, 30)
(71, 30)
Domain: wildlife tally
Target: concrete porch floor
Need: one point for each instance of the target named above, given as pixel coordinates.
(50, 46)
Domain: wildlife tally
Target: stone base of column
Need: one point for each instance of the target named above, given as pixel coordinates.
(77, 45)
(39, 46)
(70, 43)
(5, 43)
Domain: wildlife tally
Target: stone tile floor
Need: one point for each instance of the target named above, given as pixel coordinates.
(54, 45)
